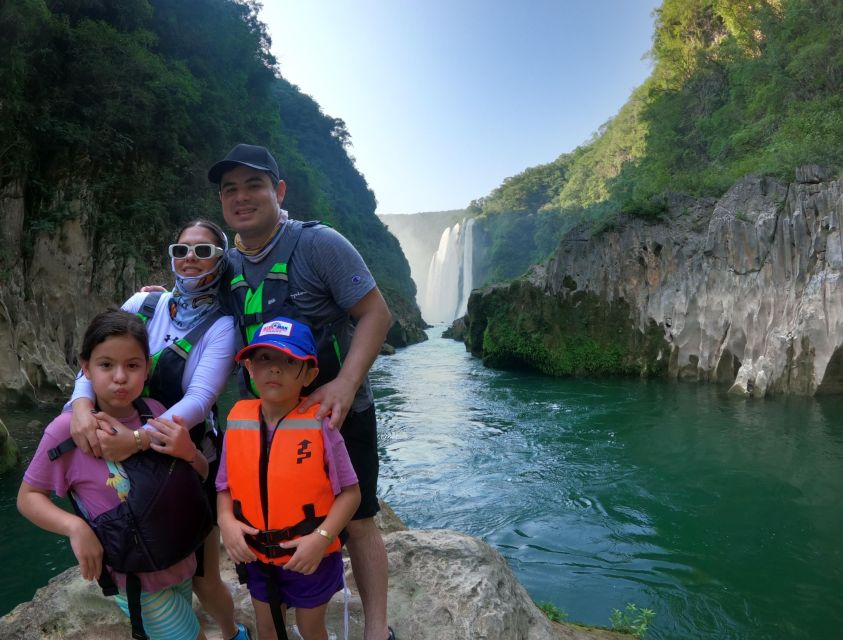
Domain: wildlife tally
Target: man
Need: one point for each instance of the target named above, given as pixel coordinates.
(311, 272)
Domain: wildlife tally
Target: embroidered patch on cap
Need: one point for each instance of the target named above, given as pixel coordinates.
(276, 328)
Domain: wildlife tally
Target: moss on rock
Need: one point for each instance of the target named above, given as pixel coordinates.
(521, 326)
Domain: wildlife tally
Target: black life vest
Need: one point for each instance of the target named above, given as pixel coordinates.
(164, 519)
(167, 368)
(271, 298)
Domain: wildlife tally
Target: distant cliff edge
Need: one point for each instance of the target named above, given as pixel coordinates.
(742, 290)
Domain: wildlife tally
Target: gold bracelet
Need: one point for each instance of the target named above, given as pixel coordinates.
(325, 534)
(138, 441)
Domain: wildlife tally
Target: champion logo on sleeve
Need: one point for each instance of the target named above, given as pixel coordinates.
(355, 279)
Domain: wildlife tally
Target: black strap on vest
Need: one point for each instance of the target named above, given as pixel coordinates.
(148, 306)
(280, 291)
(274, 596)
(105, 581)
(165, 379)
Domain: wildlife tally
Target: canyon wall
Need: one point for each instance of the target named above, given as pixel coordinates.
(743, 290)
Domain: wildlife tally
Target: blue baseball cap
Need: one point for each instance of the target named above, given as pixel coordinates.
(284, 334)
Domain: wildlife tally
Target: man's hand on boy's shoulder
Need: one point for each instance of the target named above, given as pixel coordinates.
(335, 398)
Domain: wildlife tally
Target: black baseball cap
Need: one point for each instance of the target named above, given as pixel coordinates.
(247, 155)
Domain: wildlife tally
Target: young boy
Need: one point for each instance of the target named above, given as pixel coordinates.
(286, 486)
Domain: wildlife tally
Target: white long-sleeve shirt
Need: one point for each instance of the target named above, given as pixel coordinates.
(208, 366)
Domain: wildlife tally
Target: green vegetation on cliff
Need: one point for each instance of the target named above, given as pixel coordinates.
(736, 88)
(122, 107)
(519, 326)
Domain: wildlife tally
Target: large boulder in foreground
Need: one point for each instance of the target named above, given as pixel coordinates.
(442, 584)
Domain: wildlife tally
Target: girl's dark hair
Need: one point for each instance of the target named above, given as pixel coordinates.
(113, 322)
(213, 227)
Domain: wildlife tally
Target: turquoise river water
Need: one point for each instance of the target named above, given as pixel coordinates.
(723, 515)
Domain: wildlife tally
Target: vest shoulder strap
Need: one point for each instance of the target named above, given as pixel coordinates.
(182, 346)
(150, 303)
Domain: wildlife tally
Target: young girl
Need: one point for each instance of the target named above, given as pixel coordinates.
(193, 351)
(115, 358)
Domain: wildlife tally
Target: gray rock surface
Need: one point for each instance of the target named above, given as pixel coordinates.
(745, 289)
(443, 584)
(9, 451)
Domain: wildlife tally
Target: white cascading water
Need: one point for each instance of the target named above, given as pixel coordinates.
(449, 277)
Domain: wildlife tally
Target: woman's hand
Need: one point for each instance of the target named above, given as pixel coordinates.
(173, 438)
(116, 440)
(83, 427)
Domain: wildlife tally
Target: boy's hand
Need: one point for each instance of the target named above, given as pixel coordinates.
(87, 549)
(233, 532)
(310, 550)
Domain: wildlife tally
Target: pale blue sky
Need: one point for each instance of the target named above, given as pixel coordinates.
(446, 98)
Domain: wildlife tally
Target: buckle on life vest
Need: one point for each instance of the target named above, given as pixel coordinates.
(267, 542)
(274, 536)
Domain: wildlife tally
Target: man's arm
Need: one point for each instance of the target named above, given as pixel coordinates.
(373, 321)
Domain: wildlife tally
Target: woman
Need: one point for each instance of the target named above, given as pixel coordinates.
(193, 348)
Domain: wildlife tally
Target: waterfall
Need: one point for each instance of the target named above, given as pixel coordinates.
(449, 277)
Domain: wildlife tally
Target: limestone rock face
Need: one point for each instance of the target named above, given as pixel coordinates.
(9, 451)
(49, 293)
(48, 297)
(448, 585)
(744, 290)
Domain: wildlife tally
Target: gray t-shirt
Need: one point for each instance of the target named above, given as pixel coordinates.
(327, 277)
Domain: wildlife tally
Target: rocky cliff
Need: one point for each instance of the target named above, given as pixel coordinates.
(54, 280)
(744, 290)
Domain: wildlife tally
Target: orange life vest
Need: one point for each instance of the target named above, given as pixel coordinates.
(291, 473)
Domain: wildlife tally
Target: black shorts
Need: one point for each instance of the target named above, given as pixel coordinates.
(360, 432)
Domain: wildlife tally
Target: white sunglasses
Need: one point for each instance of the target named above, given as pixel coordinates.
(202, 251)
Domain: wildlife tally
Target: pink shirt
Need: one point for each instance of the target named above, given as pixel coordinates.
(86, 477)
(340, 471)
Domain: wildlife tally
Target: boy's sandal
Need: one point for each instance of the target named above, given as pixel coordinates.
(242, 633)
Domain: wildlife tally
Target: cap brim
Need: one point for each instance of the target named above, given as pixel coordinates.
(298, 354)
(216, 172)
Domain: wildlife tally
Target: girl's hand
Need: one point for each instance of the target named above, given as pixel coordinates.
(310, 550)
(233, 532)
(172, 438)
(116, 440)
(87, 549)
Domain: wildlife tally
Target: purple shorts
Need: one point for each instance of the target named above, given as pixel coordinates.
(298, 590)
